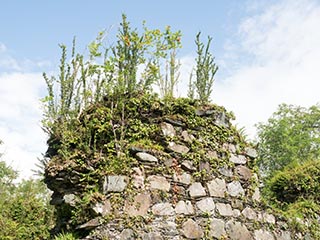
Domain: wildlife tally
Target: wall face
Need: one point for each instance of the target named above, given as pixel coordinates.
(195, 201)
(193, 179)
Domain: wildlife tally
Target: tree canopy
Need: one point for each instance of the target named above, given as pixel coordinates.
(291, 136)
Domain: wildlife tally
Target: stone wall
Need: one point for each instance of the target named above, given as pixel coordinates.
(197, 182)
(222, 205)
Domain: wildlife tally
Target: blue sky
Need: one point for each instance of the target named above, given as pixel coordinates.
(268, 53)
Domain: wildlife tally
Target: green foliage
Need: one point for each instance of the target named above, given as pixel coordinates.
(294, 193)
(205, 71)
(65, 236)
(296, 182)
(167, 43)
(291, 135)
(110, 71)
(24, 208)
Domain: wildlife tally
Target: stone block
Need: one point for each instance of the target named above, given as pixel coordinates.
(178, 148)
(114, 184)
(102, 208)
(243, 172)
(217, 228)
(167, 129)
(196, 190)
(237, 231)
(224, 210)
(249, 213)
(184, 207)
(235, 189)
(192, 230)
(159, 182)
(146, 157)
(183, 178)
(206, 205)
(163, 209)
(139, 206)
(238, 159)
(263, 235)
(217, 188)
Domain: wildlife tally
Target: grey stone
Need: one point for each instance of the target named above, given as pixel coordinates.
(188, 165)
(159, 182)
(168, 162)
(206, 205)
(184, 178)
(263, 235)
(222, 120)
(178, 148)
(169, 228)
(217, 187)
(152, 236)
(163, 209)
(93, 223)
(70, 199)
(224, 209)
(146, 157)
(256, 195)
(102, 208)
(235, 189)
(127, 234)
(200, 112)
(204, 166)
(243, 172)
(212, 155)
(187, 137)
(251, 152)
(237, 231)
(232, 148)
(283, 235)
(217, 229)
(139, 206)
(269, 218)
(236, 213)
(179, 190)
(196, 190)
(184, 207)
(191, 230)
(138, 178)
(114, 184)
(226, 172)
(238, 159)
(249, 213)
(167, 129)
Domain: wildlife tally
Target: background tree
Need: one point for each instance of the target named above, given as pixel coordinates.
(291, 136)
(25, 212)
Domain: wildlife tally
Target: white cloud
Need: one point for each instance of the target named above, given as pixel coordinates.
(282, 42)
(10, 63)
(20, 116)
(3, 47)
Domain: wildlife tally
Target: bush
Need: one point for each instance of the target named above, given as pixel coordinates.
(25, 212)
(296, 182)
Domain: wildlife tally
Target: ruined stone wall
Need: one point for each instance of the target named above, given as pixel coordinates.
(196, 180)
(184, 205)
